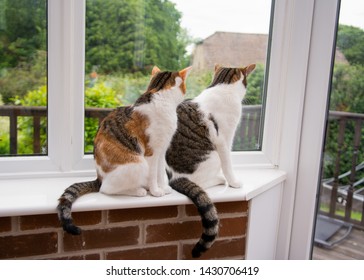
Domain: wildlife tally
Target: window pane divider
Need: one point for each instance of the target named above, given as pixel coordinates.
(66, 68)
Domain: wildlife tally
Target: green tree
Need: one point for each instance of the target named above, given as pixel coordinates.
(26, 76)
(254, 91)
(122, 36)
(98, 96)
(125, 36)
(22, 30)
(348, 88)
(350, 41)
(166, 41)
(347, 95)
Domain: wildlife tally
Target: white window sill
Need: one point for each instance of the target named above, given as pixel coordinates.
(39, 195)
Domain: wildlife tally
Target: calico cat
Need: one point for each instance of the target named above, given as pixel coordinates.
(200, 148)
(130, 145)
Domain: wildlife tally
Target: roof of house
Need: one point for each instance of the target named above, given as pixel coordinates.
(234, 49)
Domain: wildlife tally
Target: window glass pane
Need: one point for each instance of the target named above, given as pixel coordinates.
(340, 220)
(23, 77)
(124, 39)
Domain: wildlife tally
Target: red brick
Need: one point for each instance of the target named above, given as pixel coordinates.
(232, 248)
(87, 218)
(155, 253)
(233, 226)
(28, 245)
(142, 214)
(101, 238)
(78, 257)
(232, 207)
(193, 229)
(222, 208)
(51, 220)
(38, 221)
(173, 231)
(5, 224)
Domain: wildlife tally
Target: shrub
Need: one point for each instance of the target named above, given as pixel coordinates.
(27, 76)
(98, 96)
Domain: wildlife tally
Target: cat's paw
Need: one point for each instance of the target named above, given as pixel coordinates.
(167, 189)
(157, 191)
(236, 184)
(141, 192)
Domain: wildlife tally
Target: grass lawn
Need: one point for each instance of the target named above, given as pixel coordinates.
(355, 215)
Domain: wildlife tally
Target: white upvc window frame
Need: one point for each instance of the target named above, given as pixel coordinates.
(308, 44)
(66, 48)
(295, 111)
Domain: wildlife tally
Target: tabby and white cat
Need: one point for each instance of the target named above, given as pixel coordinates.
(130, 145)
(200, 148)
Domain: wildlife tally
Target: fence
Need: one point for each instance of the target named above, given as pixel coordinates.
(13, 112)
(247, 133)
(342, 195)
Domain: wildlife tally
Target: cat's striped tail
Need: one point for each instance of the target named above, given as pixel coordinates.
(206, 209)
(68, 197)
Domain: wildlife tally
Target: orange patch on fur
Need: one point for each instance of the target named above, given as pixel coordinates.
(109, 153)
(137, 127)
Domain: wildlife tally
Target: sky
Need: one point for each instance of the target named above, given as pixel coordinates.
(204, 17)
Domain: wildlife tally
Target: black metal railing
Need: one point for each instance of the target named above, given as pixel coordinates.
(342, 194)
(247, 135)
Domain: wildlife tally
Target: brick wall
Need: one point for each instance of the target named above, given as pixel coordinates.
(142, 233)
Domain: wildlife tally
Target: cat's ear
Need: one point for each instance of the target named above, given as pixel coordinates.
(184, 72)
(247, 70)
(155, 70)
(217, 66)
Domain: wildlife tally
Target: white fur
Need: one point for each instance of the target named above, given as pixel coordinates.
(127, 179)
(224, 103)
(149, 174)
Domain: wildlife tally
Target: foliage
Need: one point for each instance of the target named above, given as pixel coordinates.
(197, 82)
(348, 88)
(98, 96)
(130, 36)
(347, 95)
(121, 36)
(254, 93)
(35, 97)
(124, 39)
(346, 150)
(26, 76)
(127, 87)
(101, 96)
(21, 38)
(350, 41)
(4, 136)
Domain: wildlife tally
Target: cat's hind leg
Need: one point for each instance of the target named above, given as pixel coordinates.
(127, 179)
(213, 181)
